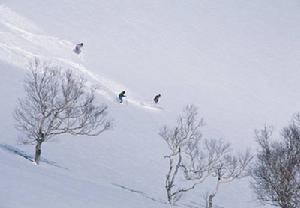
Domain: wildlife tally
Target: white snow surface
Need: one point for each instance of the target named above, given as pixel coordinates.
(237, 60)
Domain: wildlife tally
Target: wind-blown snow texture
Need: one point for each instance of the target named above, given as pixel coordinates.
(237, 60)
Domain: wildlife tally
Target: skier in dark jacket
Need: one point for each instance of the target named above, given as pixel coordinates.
(78, 47)
(156, 98)
(121, 95)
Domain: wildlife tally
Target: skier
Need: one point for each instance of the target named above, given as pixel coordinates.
(121, 95)
(78, 47)
(156, 98)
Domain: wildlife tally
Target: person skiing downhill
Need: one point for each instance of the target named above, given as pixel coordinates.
(156, 98)
(121, 95)
(78, 47)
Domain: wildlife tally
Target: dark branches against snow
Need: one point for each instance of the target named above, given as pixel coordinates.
(276, 173)
(194, 158)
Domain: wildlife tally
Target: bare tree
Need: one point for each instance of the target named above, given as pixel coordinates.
(196, 158)
(276, 174)
(186, 133)
(230, 167)
(57, 102)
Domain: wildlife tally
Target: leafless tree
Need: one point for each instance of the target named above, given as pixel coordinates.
(230, 167)
(196, 158)
(276, 173)
(186, 133)
(57, 102)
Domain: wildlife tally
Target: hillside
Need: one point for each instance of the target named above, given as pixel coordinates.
(237, 61)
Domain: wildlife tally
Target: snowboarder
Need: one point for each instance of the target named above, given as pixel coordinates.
(156, 98)
(121, 95)
(78, 47)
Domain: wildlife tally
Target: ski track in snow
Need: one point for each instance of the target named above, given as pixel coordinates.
(21, 41)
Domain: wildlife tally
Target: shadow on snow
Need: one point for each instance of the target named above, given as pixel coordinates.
(21, 153)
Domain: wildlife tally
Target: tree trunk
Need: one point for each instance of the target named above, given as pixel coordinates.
(38, 152)
(210, 198)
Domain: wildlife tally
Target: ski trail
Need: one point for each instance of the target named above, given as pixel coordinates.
(9, 16)
(16, 55)
(53, 43)
(21, 41)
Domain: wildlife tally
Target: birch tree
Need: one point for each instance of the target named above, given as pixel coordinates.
(276, 173)
(194, 158)
(57, 102)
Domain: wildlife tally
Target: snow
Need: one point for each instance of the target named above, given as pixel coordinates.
(238, 61)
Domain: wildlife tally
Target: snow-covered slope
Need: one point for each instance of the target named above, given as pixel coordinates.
(237, 60)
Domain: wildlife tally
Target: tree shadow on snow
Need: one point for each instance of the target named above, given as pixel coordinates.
(190, 204)
(25, 155)
(140, 193)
